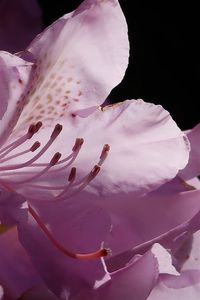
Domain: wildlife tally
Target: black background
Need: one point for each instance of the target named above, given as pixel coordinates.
(164, 59)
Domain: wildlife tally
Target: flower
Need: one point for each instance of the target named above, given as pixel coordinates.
(76, 175)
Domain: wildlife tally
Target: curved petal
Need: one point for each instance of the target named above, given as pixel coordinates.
(14, 77)
(134, 282)
(80, 58)
(141, 135)
(20, 21)
(190, 291)
(78, 226)
(17, 274)
(134, 221)
(192, 169)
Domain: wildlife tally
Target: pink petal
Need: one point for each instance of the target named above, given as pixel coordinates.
(162, 291)
(17, 273)
(20, 21)
(38, 293)
(14, 77)
(141, 135)
(192, 169)
(78, 226)
(80, 58)
(12, 208)
(1, 292)
(134, 221)
(133, 282)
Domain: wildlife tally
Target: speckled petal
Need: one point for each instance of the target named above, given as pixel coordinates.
(79, 59)
(14, 77)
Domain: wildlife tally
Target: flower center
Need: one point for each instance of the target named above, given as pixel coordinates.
(26, 174)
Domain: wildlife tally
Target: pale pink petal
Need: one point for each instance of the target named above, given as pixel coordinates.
(17, 274)
(140, 135)
(191, 290)
(78, 226)
(14, 77)
(164, 260)
(192, 169)
(80, 59)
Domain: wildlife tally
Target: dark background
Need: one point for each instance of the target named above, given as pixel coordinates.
(164, 63)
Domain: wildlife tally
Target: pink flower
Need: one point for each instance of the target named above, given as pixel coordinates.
(76, 177)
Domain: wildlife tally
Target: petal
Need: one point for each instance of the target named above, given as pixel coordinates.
(20, 21)
(80, 58)
(78, 226)
(12, 208)
(192, 169)
(141, 135)
(134, 221)
(14, 77)
(1, 292)
(38, 293)
(162, 291)
(17, 274)
(133, 282)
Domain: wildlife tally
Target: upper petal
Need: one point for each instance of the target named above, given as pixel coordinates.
(14, 78)
(79, 59)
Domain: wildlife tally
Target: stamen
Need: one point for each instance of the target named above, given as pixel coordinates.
(54, 135)
(52, 163)
(63, 195)
(72, 175)
(31, 131)
(76, 148)
(94, 255)
(104, 154)
(33, 148)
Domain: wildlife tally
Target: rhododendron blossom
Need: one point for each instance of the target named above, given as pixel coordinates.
(81, 183)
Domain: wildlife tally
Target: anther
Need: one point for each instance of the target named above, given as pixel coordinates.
(35, 146)
(94, 172)
(56, 131)
(78, 143)
(31, 131)
(105, 150)
(72, 174)
(38, 125)
(55, 159)
(104, 154)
